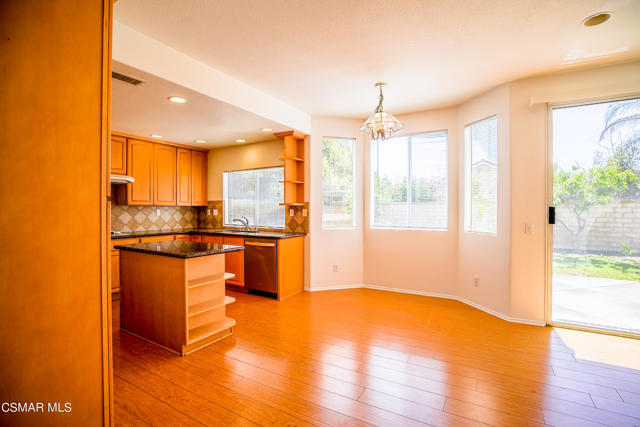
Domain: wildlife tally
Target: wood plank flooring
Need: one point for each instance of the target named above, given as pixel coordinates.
(367, 357)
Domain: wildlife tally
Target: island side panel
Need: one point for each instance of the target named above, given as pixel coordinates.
(153, 298)
(290, 267)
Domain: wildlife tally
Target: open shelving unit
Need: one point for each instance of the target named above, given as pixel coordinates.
(206, 303)
(293, 158)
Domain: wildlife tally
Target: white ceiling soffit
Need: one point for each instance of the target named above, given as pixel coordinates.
(142, 52)
(323, 56)
(144, 110)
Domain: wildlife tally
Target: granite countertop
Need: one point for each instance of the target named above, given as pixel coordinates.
(213, 231)
(179, 249)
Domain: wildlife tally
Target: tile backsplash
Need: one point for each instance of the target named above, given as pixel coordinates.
(206, 217)
(298, 223)
(142, 218)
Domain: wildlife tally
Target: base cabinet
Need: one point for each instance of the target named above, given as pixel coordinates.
(235, 261)
(115, 271)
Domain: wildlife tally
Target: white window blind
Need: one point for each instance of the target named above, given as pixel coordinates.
(256, 194)
(337, 182)
(409, 182)
(481, 176)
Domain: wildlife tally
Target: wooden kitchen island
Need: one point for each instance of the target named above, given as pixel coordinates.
(173, 293)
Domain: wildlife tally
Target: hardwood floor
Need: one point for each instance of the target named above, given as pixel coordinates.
(360, 356)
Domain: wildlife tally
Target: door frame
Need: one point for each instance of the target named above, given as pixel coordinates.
(549, 199)
(105, 215)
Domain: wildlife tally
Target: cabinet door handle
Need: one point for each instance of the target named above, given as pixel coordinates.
(271, 245)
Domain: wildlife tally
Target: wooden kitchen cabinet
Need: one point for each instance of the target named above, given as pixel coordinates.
(198, 178)
(115, 271)
(115, 261)
(234, 262)
(183, 237)
(195, 238)
(183, 175)
(118, 155)
(212, 239)
(157, 238)
(140, 167)
(164, 175)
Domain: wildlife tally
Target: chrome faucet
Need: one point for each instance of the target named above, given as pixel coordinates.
(244, 221)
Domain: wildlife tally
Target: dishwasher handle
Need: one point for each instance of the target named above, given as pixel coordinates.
(270, 245)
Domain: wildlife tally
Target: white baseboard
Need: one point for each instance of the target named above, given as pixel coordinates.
(315, 288)
(429, 294)
(409, 291)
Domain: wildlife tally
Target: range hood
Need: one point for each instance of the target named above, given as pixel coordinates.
(121, 179)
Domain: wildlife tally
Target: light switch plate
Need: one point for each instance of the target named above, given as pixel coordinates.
(291, 212)
(529, 228)
(304, 212)
(215, 212)
(157, 212)
(208, 211)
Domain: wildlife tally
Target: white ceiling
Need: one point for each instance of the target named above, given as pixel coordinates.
(144, 110)
(323, 56)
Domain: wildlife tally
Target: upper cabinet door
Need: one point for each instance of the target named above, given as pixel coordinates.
(140, 167)
(118, 155)
(164, 172)
(198, 178)
(184, 177)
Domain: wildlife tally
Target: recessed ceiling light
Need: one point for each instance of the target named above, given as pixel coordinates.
(266, 129)
(240, 140)
(200, 141)
(156, 136)
(596, 19)
(177, 99)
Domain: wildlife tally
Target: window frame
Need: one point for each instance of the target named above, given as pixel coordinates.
(468, 207)
(372, 170)
(353, 186)
(225, 203)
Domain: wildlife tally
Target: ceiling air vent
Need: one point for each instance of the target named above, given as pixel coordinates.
(126, 79)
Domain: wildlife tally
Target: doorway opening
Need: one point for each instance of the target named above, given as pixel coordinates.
(595, 242)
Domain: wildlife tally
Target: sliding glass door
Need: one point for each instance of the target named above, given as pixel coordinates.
(595, 274)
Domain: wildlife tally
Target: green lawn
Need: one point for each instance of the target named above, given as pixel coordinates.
(610, 267)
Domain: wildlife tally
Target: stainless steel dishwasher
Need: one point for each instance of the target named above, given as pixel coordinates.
(261, 266)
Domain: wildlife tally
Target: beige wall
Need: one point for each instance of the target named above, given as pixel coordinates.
(422, 261)
(481, 255)
(510, 265)
(529, 167)
(341, 247)
(246, 156)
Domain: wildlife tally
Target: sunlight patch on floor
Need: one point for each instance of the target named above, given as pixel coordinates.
(612, 350)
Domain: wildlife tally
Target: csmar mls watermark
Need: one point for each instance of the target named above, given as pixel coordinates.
(35, 407)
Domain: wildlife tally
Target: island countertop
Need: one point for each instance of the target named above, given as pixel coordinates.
(179, 249)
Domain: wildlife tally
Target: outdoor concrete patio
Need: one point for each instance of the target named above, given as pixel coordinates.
(596, 302)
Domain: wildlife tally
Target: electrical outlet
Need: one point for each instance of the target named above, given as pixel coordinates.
(304, 212)
(208, 211)
(291, 212)
(335, 268)
(157, 212)
(476, 281)
(215, 212)
(529, 228)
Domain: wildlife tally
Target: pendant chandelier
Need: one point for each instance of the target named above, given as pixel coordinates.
(381, 125)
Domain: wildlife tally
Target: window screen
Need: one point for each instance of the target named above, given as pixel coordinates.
(337, 182)
(409, 182)
(255, 194)
(481, 181)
